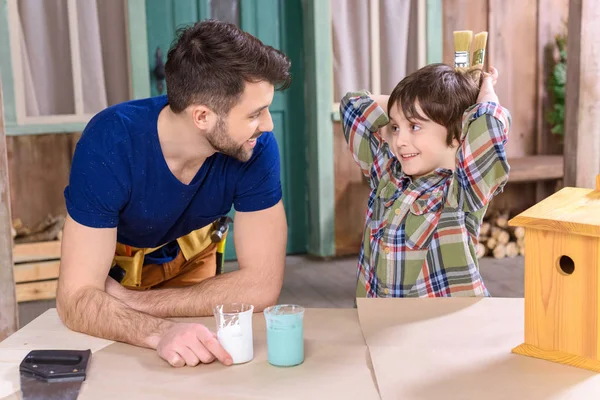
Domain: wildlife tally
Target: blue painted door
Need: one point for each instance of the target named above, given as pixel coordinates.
(277, 23)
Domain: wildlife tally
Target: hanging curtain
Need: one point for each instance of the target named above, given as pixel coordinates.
(46, 56)
(351, 44)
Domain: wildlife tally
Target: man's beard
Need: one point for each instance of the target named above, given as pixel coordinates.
(220, 140)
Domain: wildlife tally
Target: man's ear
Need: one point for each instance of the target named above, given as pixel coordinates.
(204, 118)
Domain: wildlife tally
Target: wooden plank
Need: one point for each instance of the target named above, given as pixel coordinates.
(512, 49)
(435, 38)
(18, 81)
(6, 72)
(582, 142)
(573, 210)
(462, 15)
(27, 252)
(516, 197)
(292, 44)
(61, 119)
(75, 56)
(319, 127)
(351, 197)
(416, 46)
(476, 16)
(160, 31)
(44, 129)
(375, 46)
(36, 271)
(9, 322)
(203, 9)
(137, 49)
(422, 32)
(535, 168)
(552, 20)
(561, 312)
(32, 291)
(185, 13)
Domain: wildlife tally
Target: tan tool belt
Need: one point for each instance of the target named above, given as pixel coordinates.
(196, 260)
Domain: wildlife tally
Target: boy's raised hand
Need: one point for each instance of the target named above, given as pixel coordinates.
(486, 92)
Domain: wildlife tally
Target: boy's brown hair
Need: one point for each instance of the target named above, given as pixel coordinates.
(211, 61)
(443, 94)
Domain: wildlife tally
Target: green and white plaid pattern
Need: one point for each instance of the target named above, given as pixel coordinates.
(420, 235)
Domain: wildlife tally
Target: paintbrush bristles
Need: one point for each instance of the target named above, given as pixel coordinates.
(480, 43)
(462, 48)
(462, 40)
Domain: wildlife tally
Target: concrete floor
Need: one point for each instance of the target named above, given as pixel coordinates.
(319, 283)
(331, 283)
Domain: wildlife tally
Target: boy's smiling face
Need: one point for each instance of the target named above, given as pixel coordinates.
(419, 143)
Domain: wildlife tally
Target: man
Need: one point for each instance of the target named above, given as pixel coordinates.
(148, 179)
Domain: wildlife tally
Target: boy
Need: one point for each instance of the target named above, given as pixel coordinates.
(433, 169)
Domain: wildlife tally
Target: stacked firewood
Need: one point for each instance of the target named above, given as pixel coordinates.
(498, 240)
(48, 229)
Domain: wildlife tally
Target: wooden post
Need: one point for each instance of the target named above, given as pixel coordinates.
(552, 17)
(8, 302)
(582, 119)
(318, 67)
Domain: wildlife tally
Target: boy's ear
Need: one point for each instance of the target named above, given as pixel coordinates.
(455, 142)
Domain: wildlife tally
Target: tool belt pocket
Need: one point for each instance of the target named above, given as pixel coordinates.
(131, 259)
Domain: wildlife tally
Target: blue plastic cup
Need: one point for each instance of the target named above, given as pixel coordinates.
(285, 335)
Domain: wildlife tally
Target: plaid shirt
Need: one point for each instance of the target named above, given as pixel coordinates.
(420, 235)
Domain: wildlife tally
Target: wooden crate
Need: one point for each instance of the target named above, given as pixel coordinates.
(36, 267)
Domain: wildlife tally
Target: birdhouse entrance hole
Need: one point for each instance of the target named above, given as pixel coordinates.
(566, 265)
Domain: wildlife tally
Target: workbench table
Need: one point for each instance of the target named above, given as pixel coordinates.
(458, 348)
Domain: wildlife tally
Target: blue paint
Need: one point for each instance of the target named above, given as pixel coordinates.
(285, 335)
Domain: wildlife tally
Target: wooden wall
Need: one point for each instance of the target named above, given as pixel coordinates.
(520, 35)
(39, 168)
(351, 196)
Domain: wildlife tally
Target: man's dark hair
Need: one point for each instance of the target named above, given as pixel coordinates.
(442, 92)
(211, 61)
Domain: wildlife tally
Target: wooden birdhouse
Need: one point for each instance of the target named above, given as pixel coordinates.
(562, 278)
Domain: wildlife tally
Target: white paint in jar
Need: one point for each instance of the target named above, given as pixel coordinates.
(234, 331)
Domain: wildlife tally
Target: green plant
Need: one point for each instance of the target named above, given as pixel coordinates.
(557, 87)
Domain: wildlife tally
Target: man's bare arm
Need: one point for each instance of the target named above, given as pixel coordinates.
(84, 306)
(260, 241)
(81, 301)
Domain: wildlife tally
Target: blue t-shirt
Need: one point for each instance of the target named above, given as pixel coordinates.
(120, 178)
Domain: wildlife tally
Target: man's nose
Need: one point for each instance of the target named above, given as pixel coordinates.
(266, 122)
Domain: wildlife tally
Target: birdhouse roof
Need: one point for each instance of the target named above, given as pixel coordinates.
(570, 210)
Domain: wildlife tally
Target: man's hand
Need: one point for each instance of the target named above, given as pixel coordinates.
(189, 344)
(88, 302)
(486, 92)
(180, 344)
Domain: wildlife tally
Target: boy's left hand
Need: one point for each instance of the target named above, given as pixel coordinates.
(486, 92)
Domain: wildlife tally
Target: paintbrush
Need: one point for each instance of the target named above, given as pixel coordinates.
(462, 48)
(480, 42)
(479, 48)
